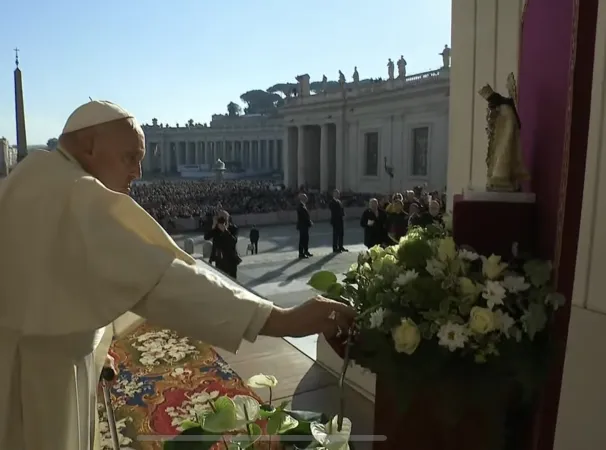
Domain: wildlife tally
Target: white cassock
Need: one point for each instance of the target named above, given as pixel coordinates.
(74, 257)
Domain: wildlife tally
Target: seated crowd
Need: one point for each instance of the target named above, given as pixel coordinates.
(168, 200)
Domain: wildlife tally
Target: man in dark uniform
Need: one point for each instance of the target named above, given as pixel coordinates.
(337, 214)
(254, 239)
(224, 236)
(304, 223)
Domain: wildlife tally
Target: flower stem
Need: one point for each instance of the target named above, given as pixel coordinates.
(270, 395)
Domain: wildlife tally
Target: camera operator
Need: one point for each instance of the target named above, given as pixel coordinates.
(224, 236)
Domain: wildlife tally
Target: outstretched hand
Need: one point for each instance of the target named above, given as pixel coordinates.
(315, 316)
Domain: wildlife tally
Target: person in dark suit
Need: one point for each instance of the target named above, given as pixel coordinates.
(304, 223)
(254, 239)
(374, 222)
(337, 215)
(224, 236)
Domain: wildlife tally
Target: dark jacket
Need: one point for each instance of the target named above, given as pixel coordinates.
(337, 212)
(375, 234)
(254, 235)
(224, 252)
(397, 225)
(303, 217)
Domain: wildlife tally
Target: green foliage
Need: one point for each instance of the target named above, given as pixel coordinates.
(190, 440)
(434, 317)
(233, 421)
(322, 281)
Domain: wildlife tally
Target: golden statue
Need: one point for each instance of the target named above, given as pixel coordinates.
(506, 170)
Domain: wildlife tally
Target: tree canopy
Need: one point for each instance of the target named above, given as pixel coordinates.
(233, 109)
(52, 143)
(260, 102)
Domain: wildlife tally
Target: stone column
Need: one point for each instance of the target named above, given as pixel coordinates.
(324, 160)
(178, 152)
(197, 155)
(163, 153)
(274, 165)
(286, 158)
(259, 153)
(339, 157)
(301, 156)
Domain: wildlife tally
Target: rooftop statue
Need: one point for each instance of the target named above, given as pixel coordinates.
(402, 67)
(390, 69)
(356, 76)
(445, 57)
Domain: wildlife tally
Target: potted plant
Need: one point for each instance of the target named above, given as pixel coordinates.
(233, 423)
(457, 338)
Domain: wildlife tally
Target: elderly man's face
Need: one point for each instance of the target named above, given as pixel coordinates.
(117, 151)
(434, 208)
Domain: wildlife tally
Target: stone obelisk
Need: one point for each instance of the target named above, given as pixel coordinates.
(19, 112)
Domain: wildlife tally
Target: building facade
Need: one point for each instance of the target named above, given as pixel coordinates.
(8, 157)
(381, 137)
(252, 142)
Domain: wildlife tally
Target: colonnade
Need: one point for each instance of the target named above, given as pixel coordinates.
(167, 156)
(313, 156)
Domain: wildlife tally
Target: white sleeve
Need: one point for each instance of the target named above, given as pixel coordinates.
(201, 304)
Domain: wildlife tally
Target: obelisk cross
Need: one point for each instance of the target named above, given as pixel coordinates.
(16, 56)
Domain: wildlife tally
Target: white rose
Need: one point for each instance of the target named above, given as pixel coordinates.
(481, 320)
(406, 337)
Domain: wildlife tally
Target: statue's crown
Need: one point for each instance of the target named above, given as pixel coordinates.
(486, 92)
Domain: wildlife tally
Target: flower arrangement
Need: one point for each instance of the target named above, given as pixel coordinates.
(233, 423)
(434, 314)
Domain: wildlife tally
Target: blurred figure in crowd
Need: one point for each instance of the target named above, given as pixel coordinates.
(397, 221)
(304, 223)
(373, 221)
(224, 236)
(337, 216)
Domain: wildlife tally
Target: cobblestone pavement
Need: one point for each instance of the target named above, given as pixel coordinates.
(277, 274)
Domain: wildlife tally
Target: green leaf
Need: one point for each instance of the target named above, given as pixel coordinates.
(280, 423)
(322, 281)
(464, 309)
(534, 319)
(254, 433)
(335, 290)
(190, 440)
(187, 424)
(555, 300)
(222, 418)
(538, 271)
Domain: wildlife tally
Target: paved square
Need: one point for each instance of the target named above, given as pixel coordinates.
(277, 274)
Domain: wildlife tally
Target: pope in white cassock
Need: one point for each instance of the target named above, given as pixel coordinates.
(77, 253)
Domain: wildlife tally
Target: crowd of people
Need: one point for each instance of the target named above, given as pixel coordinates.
(386, 221)
(166, 200)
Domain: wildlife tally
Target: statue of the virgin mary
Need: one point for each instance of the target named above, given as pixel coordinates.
(504, 160)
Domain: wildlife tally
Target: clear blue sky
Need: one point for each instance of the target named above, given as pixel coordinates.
(183, 59)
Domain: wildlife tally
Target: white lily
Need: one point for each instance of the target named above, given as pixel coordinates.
(261, 380)
(329, 438)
